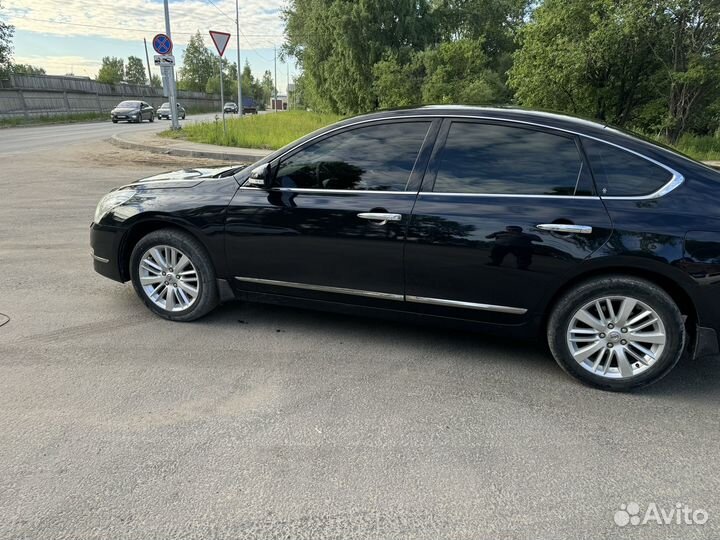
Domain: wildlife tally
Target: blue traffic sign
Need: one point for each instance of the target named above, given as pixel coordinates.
(162, 44)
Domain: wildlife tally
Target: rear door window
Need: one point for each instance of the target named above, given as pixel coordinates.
(619, 173)
(500, 159)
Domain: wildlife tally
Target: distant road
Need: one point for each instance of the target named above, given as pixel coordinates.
(24, 139)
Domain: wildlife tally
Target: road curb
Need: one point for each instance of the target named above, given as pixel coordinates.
(245, 155)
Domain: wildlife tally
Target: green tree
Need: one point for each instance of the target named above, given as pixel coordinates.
(398, 80)
(156, 81)
(135, 71)
(199, 65)
(690, 52)
(458, 72)
(27, 69)
(112, 70)
(6, 51)
(589, 57)
(337, 43)
(267, 87)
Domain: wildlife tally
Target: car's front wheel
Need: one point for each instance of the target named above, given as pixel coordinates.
(173, 275)
(617, 333)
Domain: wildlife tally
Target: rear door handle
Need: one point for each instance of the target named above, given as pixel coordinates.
(565, 228)
(381, 217)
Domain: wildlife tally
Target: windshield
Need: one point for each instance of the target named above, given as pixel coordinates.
(165, 105)
(128, 104)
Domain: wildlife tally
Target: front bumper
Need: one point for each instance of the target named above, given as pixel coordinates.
(105, 247)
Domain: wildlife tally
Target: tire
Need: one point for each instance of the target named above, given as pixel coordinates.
(202, 281)
(617, 337)
(114, 121)
(152, 118)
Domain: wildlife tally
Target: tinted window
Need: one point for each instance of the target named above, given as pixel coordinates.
(486, 158)
(379, 157)
(621, 174)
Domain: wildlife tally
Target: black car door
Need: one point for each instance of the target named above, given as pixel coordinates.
(333, 224)
(504, 212)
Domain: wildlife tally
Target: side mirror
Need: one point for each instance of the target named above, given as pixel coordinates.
(260, 177)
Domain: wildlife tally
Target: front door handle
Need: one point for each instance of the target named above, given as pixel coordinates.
(380, 217)
(565, 228)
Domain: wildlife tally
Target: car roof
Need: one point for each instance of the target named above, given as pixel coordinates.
(543, 118)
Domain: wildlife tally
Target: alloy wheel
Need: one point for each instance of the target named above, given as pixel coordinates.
(616, 337)
(169, 278)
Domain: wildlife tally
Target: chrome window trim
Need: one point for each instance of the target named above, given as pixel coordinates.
(675, 181)
(384, 296)
(512, 195)
(320, 190)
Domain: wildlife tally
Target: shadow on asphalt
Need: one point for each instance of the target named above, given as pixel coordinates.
(691, 379)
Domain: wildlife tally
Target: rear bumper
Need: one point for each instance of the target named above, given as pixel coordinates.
(104, 250)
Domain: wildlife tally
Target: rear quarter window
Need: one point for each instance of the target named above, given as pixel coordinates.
(619, 173)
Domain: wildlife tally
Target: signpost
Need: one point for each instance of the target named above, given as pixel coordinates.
(221, 39)
(163, 45)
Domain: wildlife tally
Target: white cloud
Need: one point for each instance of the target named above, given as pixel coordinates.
(62, 65)
(131, 20)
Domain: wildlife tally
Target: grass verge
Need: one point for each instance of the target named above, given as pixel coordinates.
(57, 119)
(700, 147)
(267, 131)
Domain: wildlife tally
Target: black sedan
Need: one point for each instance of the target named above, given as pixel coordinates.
(164, 111)
(132, 111)
(517, 222)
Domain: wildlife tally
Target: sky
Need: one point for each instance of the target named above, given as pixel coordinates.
(72, 36)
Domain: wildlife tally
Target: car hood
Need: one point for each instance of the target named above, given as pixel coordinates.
(183, 178)
(124, 110)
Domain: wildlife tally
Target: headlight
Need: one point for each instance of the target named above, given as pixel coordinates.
(110, 201)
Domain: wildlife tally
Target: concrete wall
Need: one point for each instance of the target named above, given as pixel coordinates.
(31, 96)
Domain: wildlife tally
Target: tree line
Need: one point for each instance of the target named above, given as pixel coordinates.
(200, 72)
(648, 65)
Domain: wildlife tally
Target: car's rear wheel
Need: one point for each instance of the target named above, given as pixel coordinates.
(152, 118)
(617, 333)
(173, 275)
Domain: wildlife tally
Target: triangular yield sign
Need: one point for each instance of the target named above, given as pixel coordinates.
(220, 39)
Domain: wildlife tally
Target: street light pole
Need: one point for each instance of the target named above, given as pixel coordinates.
(171, 76)
(275, 81)
(239, 66)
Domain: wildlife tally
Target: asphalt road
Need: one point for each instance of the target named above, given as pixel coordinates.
(43, 137)
(269, 422)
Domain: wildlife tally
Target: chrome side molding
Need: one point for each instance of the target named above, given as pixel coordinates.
(322, 288)
(385, 296)
(467, 305)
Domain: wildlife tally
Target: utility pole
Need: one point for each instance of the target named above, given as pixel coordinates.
(171, 77)
(222, 97)
(147, 59)
(275, 81)
(239, 67)
(287, 81)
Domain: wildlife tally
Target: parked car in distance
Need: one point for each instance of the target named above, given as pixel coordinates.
(164, 111)
(132, 111)
(516, 222)
(230, 107)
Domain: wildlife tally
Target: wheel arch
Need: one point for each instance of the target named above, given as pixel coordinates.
(678, 294)
(141, 229)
